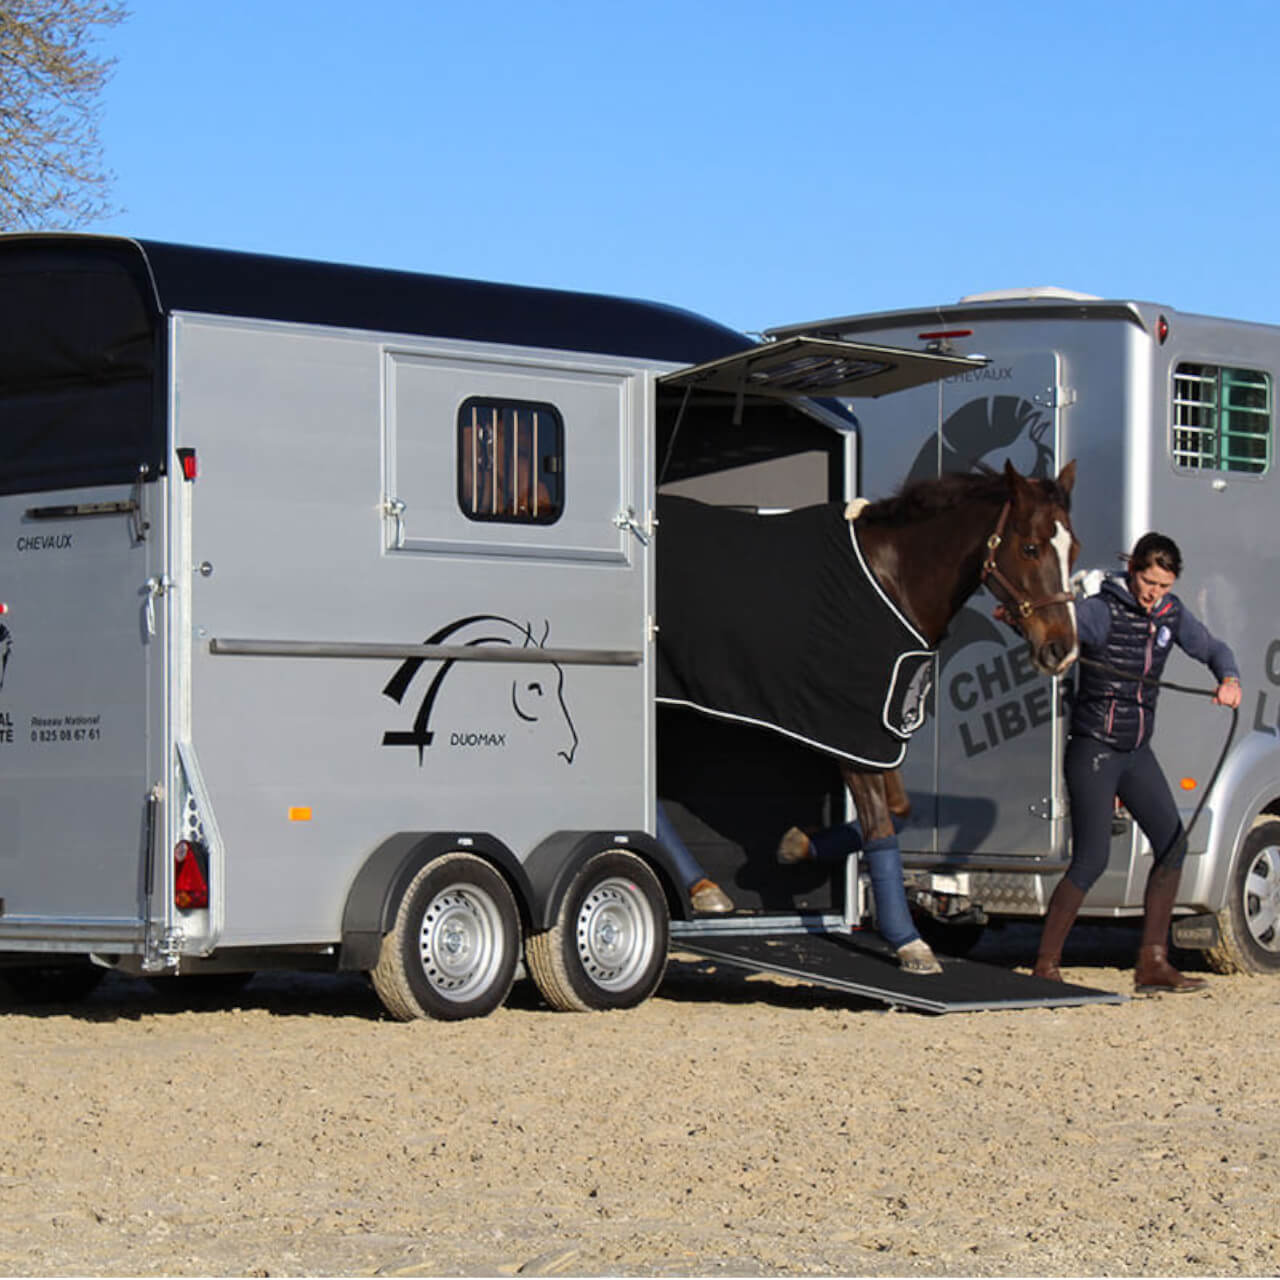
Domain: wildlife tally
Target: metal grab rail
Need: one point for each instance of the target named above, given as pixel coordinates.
(426, 652)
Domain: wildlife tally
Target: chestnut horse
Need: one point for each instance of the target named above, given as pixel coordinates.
(932, 546)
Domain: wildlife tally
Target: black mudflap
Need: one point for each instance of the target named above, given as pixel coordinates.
(864, 966)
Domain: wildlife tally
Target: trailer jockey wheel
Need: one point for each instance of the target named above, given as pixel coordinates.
(453, 948)
(608, 947)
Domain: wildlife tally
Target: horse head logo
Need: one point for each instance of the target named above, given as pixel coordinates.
(536, 689)
(983, 426)
(6, 648)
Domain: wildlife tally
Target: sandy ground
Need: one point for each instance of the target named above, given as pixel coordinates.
(732, 1125)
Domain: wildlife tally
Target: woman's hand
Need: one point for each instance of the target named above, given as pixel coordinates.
(1229, 693)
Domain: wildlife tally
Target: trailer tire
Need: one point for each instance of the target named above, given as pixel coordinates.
(53, 983)
(453, 948)
(1249, 924)
(608, 947)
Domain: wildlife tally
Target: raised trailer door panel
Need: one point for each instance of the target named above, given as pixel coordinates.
(79, 644)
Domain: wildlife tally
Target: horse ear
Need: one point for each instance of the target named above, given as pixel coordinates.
(1067, 477)
(1018, 483)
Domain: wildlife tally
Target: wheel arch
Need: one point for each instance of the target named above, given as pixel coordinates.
(1248, 791)
(552, 865)
(375, 893)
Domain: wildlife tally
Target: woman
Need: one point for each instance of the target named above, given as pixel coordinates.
(1130, 625)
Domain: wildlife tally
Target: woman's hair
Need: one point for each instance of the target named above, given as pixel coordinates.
(1155, 549)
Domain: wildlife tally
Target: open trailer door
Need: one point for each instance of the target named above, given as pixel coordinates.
(819, 367)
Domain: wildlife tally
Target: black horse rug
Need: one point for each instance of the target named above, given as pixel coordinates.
(776, 621)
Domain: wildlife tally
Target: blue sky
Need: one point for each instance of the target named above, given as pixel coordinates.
(761, 163)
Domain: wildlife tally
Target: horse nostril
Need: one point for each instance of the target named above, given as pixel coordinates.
(1052, 655)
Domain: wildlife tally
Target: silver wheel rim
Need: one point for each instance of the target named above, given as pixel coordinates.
(1262, 899)
(616, 933)
(461, 942)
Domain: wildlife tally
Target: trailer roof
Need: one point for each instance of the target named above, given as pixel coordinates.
(265, 287)
(973, 310)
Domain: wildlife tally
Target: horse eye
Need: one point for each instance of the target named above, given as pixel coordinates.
(1030, 550)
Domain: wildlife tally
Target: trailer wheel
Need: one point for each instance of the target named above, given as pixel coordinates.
(608, 947)
(1249, 925)
(453, 948)
(53, 983)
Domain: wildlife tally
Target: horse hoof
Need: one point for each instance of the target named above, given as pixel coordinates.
(709, 898)
(794, 847)
(917, 957)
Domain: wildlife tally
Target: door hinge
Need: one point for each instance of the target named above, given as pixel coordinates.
(1047, 809)
(1055, 397)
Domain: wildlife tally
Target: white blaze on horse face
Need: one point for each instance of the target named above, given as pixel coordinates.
(1062, 545)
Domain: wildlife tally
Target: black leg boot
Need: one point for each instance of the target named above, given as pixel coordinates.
(1063, 908)
(1153, 973)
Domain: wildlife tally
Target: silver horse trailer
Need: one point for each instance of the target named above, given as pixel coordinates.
(1172, 420)
(327, 635)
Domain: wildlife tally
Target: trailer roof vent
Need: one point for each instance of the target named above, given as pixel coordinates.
(1034, 293)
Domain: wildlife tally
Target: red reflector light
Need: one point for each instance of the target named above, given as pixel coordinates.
(187, 460)
(1162, 329)
(945, 333)
(190, 876)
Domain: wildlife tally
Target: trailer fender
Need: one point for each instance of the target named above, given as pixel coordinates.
(380, 883)
(553, 864)
(1249, 786)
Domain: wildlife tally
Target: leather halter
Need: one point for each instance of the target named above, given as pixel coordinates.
(1013, 598)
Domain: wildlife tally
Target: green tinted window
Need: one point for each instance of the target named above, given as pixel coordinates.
(1221, 418)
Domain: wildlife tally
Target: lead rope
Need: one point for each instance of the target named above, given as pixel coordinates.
(1199, 693)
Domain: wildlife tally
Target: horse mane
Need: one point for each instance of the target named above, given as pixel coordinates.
(921, 499)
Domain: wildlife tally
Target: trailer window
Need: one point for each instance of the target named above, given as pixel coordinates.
(510, 461)
(1221, 418)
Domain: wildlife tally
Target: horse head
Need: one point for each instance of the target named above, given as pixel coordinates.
(1028, 566)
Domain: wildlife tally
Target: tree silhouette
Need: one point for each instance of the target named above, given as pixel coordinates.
(51, 171)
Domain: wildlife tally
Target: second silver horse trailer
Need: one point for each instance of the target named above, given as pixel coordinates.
(1171, 419)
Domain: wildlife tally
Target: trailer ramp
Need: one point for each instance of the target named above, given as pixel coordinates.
(863, 965)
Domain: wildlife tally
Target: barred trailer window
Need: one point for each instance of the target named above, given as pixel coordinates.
(510, 461)
(1221, 418)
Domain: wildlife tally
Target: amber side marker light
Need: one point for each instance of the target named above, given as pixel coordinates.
(300, 813)
(190, 876)
(1187, 784)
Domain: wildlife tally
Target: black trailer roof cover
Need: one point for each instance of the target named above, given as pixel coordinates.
(221, 282)
(78, 355)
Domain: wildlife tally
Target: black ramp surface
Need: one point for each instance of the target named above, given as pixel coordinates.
(865, 967)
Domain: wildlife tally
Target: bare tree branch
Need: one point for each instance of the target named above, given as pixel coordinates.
(51, 170)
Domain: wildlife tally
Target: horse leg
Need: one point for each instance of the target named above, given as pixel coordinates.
(896, 794)
(797, 845)
(872, 797)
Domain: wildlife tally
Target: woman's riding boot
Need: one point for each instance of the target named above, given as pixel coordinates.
(1153, 973)
(1063, 909)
